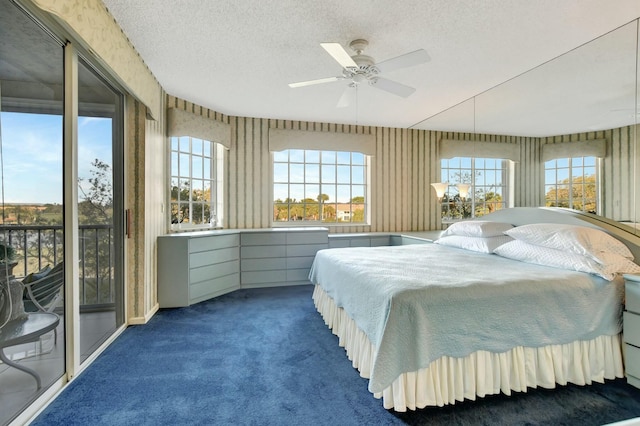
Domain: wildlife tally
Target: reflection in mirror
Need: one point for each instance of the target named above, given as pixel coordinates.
(588, 89)
(636, 145)
(587, 94)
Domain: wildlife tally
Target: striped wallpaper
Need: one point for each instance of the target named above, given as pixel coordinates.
(145, 197)
(405, 163)
(401, 198)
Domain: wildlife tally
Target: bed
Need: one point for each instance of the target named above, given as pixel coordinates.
(434, 324)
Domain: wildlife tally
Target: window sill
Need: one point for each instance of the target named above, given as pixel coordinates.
(187, 228)
(301, 223)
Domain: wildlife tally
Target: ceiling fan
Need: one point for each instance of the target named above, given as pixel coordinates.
(359, 69)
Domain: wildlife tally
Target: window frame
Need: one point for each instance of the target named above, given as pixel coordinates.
(366, 187)
(470, 203)
(598, 185)
(215, 156)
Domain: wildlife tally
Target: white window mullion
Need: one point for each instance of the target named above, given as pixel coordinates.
(71, 230)
(463, 170)
(186, 174)
(473, 185)
(350, 203)
(190, 199)
(575, 171)
(335, 188)
(213, 185)
(570, 190)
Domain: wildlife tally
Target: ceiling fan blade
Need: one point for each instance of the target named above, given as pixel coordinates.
(417, 57)
(347, 97)
(339, 54)
(392, 87)
(312, 82)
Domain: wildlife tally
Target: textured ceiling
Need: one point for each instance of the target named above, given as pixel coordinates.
(237, 57)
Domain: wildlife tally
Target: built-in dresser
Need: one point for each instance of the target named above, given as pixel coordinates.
(196, 266)
(279, 256)
(631, 321)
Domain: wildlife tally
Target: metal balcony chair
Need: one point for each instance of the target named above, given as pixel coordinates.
(43, 290)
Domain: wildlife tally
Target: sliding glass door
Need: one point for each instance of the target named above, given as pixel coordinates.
(99, 209)
(31, 154)
(45, 228)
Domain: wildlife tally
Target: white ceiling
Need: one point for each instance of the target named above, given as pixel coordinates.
(237, 57)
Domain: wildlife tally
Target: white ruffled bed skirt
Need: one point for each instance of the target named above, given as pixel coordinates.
(448, 379)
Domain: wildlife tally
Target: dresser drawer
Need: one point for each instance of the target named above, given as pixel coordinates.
(263, 238)
(262, 252)
(213, 242)
(339, 242)
(632, 296)
(213, 287)
(631, 328)
(212, 257)
(633, 381)
(304, 249)
(263, 277)
(270, 264)
(204, 273)
(380, 241)
(306, 237)
(632, 360)
(300, 262)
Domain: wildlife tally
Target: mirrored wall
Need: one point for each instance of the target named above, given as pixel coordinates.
(587, 94)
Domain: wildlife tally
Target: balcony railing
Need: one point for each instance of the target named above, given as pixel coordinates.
(40, 245)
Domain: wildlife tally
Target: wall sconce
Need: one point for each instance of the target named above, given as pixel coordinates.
(463, 189)
(441, 188)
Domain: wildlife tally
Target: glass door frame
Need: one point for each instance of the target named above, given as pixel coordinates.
(73, 57)
(73, 53)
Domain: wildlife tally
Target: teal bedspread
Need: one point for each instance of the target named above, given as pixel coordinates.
(418, 303)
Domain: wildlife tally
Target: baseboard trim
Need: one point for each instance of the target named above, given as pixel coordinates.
(145, 319)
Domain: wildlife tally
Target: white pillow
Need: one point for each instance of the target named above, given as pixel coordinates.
(479, 244)
(530, 253)
(477, 228)
(577, 239)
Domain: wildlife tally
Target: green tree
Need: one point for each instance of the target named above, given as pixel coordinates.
(456, 207)
(280, 210)
(311, 209)
(95, 207)
(358, 215)
(329, 213)
(357, 209)
(96, 201)
(322, 198)
(579, 193)
(490, 202)
(179, 210)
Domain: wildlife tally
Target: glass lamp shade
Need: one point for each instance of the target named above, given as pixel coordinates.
(441, 188)
(463, 189)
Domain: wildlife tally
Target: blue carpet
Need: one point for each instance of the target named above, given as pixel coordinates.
(265, 357)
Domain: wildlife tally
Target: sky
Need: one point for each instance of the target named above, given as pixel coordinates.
(31, 154)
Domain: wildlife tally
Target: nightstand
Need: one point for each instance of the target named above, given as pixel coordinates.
(631, 328)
